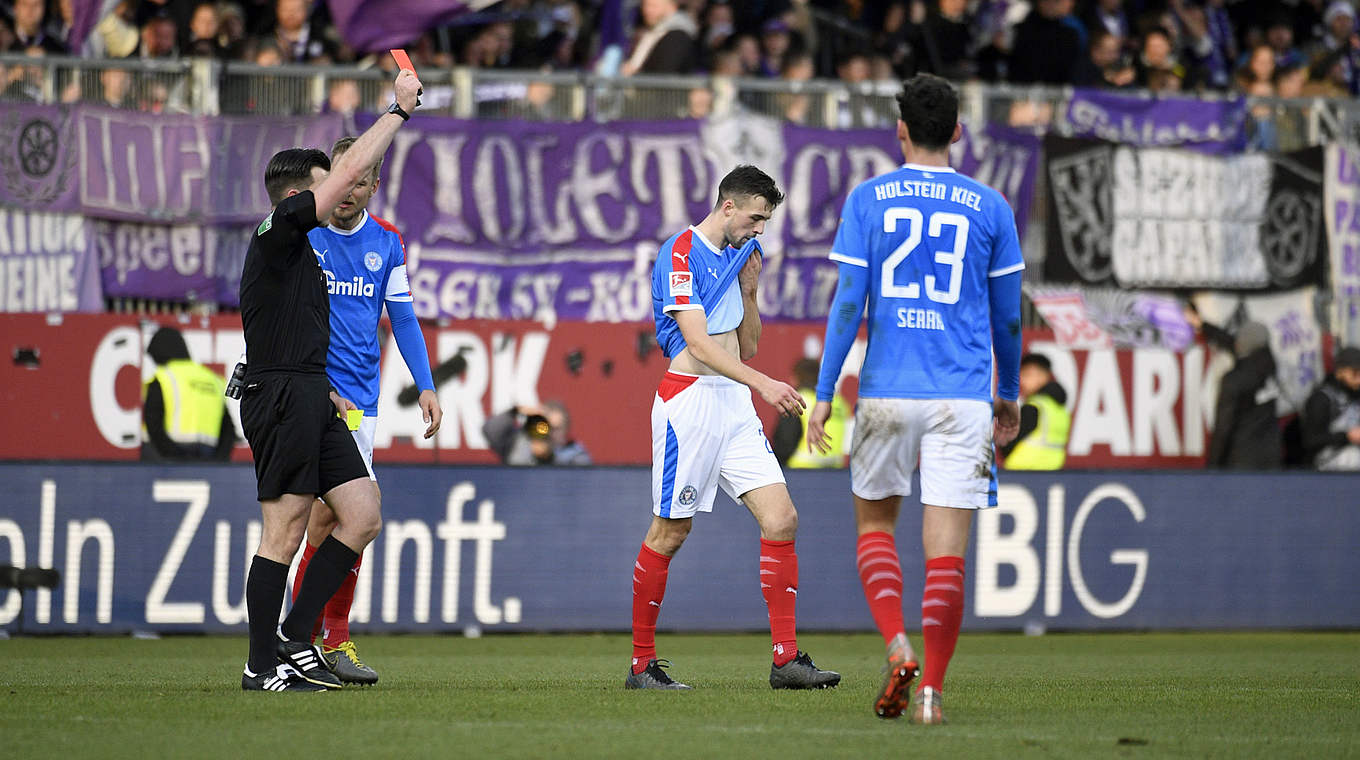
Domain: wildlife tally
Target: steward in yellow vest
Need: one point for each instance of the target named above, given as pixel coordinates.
(1044, 420)
(789, 441)
(184, 415)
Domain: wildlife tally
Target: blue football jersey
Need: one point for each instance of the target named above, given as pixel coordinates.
(930, 239)
(692, 273)
(364, 267)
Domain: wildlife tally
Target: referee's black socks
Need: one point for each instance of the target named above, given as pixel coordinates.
(265, 586)
(326, 571)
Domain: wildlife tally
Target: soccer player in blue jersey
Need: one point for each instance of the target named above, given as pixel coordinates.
(936, 256)
(364, 260)
(705, 432)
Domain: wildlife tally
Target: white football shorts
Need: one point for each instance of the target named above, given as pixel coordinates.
(951, 437)
(705, 434)
(364, 437)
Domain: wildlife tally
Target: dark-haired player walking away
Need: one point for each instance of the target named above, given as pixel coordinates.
(936, 256)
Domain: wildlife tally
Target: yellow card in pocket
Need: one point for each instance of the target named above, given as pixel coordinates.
(353, 417)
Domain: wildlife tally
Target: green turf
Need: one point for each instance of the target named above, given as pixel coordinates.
(1009, 696)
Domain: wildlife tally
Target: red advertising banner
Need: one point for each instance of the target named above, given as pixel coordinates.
(71, 388)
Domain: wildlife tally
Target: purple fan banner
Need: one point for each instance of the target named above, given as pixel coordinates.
(46, 264)
(502, 220)
(1208, 127)
(166, 168)
(521, 220)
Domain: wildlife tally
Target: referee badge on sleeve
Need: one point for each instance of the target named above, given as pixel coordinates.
(682, 284)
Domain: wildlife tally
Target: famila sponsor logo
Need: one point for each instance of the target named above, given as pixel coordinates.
(357, 286)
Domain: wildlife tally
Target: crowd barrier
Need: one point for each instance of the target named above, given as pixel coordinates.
(165, 548)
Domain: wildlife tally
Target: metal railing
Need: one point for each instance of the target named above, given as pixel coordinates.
(209, 87)
(203, 86)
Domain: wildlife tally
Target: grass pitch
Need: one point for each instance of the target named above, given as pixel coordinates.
(1008, 696)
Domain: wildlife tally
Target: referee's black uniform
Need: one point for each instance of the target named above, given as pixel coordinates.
(299, 443)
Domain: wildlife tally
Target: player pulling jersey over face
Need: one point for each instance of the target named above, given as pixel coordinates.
(705, 432)
(936, 257)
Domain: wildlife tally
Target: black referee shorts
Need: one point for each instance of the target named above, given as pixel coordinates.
(299, 444)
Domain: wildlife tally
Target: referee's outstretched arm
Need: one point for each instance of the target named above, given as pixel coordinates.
(370, 147)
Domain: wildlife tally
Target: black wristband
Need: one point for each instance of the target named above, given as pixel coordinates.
(398, 110)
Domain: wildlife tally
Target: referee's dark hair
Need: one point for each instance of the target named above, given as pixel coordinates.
(292, 170)
(929, 106)
(747, 181)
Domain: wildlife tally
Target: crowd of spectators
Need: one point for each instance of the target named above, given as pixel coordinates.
(1258, 47)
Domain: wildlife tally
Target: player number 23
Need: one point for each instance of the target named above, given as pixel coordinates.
(916, 227)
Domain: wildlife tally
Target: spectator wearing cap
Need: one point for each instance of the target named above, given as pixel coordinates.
(668, 44)
(1246, 428)
(1331, 416)
(1339, 46)
(775, 43)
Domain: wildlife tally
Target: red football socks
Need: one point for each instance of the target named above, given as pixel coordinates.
(307, 551)
(941, 615)
(881, 574)
(649, 587)
(336, 615)
(779, 586)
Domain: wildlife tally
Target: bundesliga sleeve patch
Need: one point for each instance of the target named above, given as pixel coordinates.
(682, 284)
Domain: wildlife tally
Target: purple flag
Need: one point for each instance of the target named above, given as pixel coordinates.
(45, 263)
(370, 25)
(1206, 126)
(85, 14)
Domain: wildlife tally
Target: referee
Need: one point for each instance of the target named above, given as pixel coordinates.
(302, 449)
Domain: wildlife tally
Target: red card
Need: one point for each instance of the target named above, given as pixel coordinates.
(403, 61)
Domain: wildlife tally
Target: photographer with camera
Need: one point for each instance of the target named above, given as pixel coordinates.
(526, 436)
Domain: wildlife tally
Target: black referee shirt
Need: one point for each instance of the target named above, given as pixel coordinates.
(284, 306)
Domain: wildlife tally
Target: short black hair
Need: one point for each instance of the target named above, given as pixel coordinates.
(291, 169)
(929, 106)
(1037, 360)
(747, 181)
